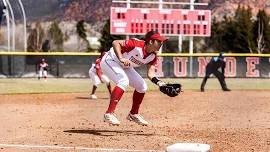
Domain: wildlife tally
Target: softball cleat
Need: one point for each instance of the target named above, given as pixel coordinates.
(226, 89)
(138, 119)
(111, 119)
(93, 96)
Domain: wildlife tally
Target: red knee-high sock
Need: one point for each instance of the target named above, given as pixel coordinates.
(137, 100)
(115, 97)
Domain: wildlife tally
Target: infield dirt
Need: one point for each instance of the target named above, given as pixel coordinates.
(236, 121)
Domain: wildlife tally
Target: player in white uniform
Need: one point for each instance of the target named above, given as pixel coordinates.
(98, 77)
(118, 64)
(43, 67)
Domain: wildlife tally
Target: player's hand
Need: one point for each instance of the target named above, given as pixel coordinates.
(125, 62)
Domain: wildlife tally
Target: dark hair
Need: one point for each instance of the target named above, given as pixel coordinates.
(102, 53)
(148, 35)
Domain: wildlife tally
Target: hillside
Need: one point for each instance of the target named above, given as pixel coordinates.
(96, 12)
(227, 7)
(38, 9)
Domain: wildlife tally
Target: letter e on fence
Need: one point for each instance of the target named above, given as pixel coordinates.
(251, 67)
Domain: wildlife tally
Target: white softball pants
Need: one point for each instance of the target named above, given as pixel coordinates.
(122, 77)
(95, 79)
(42, 73)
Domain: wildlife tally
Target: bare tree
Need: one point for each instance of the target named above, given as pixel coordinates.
(260, 39)
(40, 35)
(35, 38)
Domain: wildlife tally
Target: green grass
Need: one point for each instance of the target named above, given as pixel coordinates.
(25, 85)
(31, 85)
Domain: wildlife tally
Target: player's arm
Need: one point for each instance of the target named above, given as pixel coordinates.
(117, 46)
(151, 75)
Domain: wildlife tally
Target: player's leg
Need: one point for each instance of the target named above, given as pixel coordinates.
(203, 83)
(109, 87)
(106, 80)
(93, 96)
(96, 82)
(137, 82)
(207, 75)
(39, 74)
(115, 72)
(221, 79)
(45, 74)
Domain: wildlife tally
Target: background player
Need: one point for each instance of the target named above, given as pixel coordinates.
(98, 77)
(43, 68)
(118, 64)
(213, 67)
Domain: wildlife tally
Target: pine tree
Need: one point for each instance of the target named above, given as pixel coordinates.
(214, 42)
(236, 34)
(243, 42)
(81, 31)
(106, 38)
(31, 41)
(227, 35)
(56, 35)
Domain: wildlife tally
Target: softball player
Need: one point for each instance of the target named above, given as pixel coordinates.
(213, 68)
(118, 64)
(43, 65)
(97, 77)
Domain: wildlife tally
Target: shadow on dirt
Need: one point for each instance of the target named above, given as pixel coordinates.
(109, 132)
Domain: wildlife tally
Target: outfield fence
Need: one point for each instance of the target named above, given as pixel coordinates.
(72, 65)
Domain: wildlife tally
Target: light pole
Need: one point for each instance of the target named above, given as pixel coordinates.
(24, 25)
(9, 9)
(6, 14)
(9, 14)
(191, 45)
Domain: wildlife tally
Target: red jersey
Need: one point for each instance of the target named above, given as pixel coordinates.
(134, 50)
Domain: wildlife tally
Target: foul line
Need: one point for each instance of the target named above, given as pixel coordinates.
(73, 148)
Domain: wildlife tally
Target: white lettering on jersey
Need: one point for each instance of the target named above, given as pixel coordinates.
(132, 59)
(136, 57)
